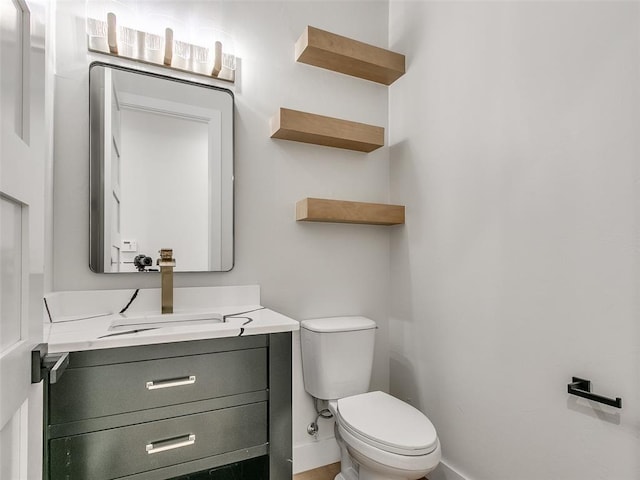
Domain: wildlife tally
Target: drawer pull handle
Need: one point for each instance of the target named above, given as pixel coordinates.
(174, 382)
(171, 444)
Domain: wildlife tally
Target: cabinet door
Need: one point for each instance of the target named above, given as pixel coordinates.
(90, 392)
(119, 452)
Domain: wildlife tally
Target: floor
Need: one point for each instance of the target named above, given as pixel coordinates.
(328, 472)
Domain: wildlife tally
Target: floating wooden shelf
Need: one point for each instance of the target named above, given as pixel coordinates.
(341, 54)
(331, 132)
(341, 211)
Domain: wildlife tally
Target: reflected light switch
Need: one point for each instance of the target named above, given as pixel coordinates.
(129, 246)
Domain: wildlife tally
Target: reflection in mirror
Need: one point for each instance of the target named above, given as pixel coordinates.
(161, 172)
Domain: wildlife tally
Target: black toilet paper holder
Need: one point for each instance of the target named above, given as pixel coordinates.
(582, 388)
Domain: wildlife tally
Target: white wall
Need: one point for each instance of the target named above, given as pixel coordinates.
(514, 144)
(305, 270)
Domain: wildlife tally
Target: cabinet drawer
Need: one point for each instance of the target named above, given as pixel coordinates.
(145, 447)
(90, 392)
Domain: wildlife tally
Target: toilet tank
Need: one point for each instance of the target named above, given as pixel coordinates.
(337, 355)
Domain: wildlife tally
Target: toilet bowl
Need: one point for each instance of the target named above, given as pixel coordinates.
(385, 438)
(380, 436)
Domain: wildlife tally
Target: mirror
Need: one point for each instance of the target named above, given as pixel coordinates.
(161, 168)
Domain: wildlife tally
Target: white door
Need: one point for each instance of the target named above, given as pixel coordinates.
(21, 239)
(112, 151)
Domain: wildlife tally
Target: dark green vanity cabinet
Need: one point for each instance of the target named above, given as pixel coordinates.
(156, 412)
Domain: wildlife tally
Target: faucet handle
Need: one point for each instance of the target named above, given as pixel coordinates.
(166, 253)
(166, 258)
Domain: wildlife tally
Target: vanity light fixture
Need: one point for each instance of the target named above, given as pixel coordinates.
(121, 41)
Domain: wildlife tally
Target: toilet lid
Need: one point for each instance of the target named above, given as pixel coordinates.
(388, 423)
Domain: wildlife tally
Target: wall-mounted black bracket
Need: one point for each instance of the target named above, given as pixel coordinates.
(45, 364)
(582, 388)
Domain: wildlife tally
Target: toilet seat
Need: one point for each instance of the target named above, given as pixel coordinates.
(389, 424)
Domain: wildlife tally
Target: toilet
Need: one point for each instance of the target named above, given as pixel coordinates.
(380, 437)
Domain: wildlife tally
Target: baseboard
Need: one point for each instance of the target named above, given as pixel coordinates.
(445, 472)
(315, 454)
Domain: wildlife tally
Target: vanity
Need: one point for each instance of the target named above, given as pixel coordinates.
(202, 400)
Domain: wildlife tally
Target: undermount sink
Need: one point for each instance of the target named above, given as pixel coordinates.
(157, 320)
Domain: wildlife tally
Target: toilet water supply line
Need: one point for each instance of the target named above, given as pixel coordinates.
(313, 428)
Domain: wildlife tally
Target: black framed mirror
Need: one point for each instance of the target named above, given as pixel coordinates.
(161, 168)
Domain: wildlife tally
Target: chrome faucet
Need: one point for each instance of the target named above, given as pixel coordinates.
(166, 262)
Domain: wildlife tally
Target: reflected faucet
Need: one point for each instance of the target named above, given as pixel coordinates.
(166, 262)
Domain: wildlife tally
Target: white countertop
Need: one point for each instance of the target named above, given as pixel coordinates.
(96, 333)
